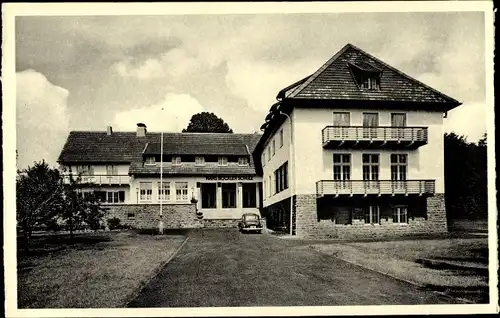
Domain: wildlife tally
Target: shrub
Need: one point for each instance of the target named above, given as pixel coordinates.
(114, 223)
(53, 225)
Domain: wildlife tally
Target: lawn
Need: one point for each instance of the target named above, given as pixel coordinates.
(100, 270)
(456, 266)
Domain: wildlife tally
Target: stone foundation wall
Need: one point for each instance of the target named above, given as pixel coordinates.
(144, 216)
(308, 224)
(220, 223)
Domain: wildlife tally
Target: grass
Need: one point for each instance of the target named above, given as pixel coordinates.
(404, 260)
(100, 270)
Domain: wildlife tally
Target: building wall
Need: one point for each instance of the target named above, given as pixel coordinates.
(313, 163)
(174, 216)
(308, 224)
(270, 165)
(193, 191)
(148, 216)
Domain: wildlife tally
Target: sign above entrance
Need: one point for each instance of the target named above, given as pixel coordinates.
(229, 177)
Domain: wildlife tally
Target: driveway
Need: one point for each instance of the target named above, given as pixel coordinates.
(224, 268)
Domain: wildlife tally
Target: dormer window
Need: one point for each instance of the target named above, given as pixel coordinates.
(176, 161)
(243, 161)
(150, 161)
(222, 161)
(199, 161)
(366, 75)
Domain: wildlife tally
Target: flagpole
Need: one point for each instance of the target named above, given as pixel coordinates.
(160, 225)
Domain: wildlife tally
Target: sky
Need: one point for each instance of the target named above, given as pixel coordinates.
(90, 72)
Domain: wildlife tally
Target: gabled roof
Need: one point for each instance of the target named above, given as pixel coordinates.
(335, 81)
(126, 147)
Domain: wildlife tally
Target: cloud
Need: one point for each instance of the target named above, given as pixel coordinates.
(42, 118)
(468, 119)
(259, 82)
(171, 64)
(171, 114)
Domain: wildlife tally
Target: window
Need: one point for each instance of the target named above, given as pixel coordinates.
(281, 138)
(371, 170)
(370, 120)
(341, 120)
(228, 195)
(131, 215)
(342, 170)
(400, 214)
(270, 184)
(176, 160)
(181, 191)
(249, 195)
(145, 191)
(115, 196)
(243, 161)
(111, 170)
(199, 161)
(398, 120)
(370, 82)
(372, 214)
(265, 188)
(150, 161)
(208, 195)
(274, 147)
(84, 194)
(268, 153)
(164, 191)
(85, 170)
(222, 161)
(281, 177)
(264, 158)
(399, 170)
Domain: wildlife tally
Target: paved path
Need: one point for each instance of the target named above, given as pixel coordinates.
(224, 268)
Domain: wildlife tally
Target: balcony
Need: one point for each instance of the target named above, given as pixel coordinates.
(379, 187)
(101, 179)
(359, 137)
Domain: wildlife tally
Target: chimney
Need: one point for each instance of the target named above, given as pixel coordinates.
(141, 130)
(109, 130)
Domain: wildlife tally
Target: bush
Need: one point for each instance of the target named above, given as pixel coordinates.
(114, 223)
(53, 225)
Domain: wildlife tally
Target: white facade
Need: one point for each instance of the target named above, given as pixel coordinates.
(313, 163)
(195, 192)
(272, 161)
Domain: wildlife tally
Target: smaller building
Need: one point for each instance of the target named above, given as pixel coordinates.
(199, 179)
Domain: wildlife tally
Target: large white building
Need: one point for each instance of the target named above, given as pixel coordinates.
(358, 146)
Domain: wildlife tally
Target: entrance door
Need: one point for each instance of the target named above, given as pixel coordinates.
(342, 172)
(370, 120)
(371, 172)
(341, 121)
(398, 120)
(208, 195)
(399, 170)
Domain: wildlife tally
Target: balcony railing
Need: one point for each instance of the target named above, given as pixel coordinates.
(374, 137)
(101, 179)
(378, 187)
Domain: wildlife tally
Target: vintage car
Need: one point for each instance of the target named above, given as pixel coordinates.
(250, 222)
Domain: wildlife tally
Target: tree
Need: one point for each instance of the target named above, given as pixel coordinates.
(39, 194)
(43, 195)
(79, 209)
(465, 177)
(205, 122)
